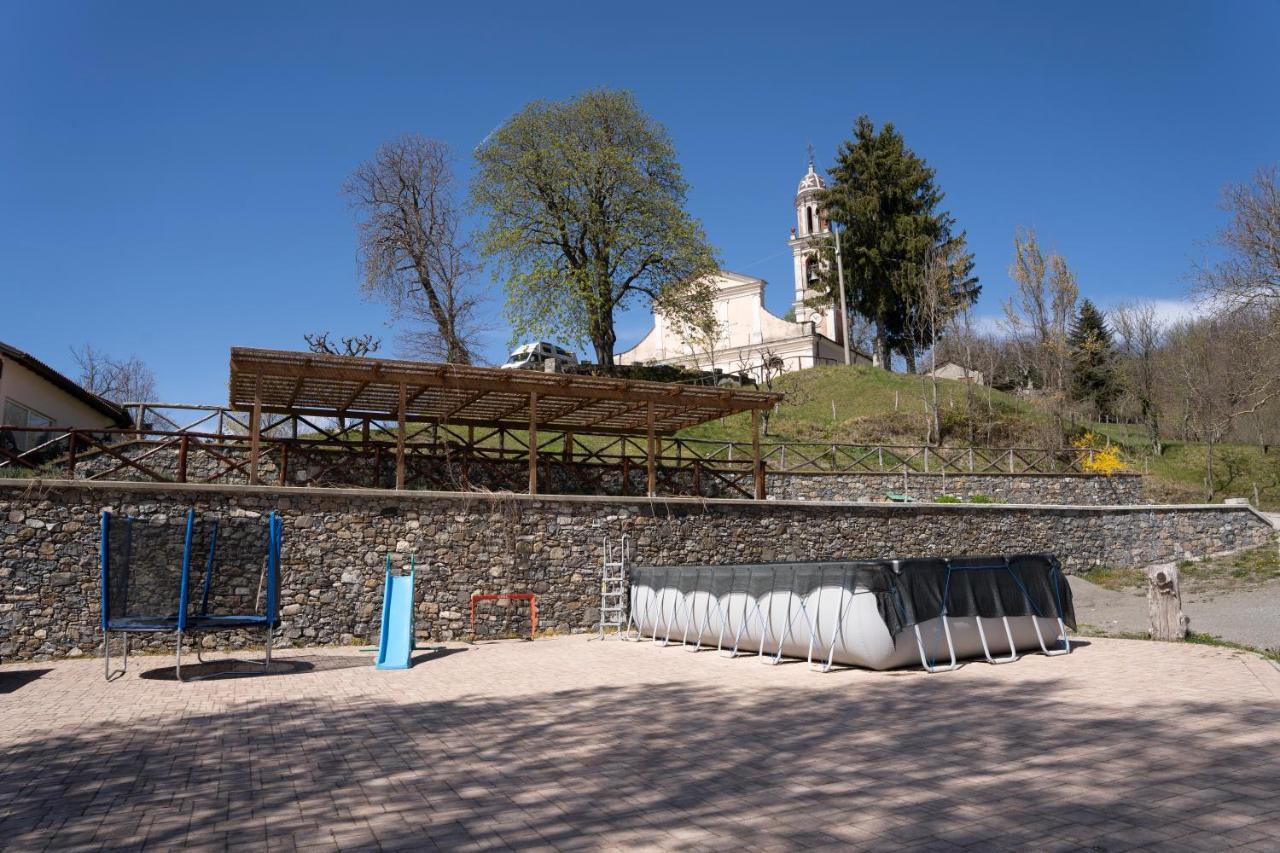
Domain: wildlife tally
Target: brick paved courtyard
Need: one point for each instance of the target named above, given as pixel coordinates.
(565, 743)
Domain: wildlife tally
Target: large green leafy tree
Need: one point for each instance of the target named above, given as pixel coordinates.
(1095, 376)
(887, 202)
(585, 205)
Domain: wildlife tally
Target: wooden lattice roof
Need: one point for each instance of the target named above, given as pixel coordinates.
(340, 386)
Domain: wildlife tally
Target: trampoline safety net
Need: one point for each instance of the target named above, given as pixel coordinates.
(143, 560)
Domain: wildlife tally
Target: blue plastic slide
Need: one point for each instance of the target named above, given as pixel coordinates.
(395, 646)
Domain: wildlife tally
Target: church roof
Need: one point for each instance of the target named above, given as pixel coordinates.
(811, 181)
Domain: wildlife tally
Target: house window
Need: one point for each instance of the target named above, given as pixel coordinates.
(18, 415)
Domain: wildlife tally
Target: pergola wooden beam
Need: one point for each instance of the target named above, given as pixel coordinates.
(322, 385)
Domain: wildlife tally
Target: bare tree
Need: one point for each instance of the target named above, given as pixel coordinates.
(1041, 315)
(120, 380)
(1226, 367)
(1249, 274)
(1140, 335)
(932, 310)
(411, 246)
(766, 365)
(358, 346)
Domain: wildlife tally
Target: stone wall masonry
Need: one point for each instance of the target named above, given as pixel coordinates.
(1078, 489)
(336, 540)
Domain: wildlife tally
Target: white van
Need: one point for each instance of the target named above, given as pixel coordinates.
(531, 357)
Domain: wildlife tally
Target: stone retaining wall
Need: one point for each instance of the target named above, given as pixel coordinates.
(1086, 489)
(336, 540)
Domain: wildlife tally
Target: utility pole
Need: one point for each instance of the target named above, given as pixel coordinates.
(842, 309)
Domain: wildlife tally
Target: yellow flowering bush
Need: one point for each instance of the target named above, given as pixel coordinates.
(1099, 459)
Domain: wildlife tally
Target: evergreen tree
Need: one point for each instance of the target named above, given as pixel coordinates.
(1095, 377)
(886, 202)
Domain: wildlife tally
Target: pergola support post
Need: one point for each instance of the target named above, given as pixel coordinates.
(651, 443)
(533, 443)
(757, 465)
(400, 436)
(255, 431)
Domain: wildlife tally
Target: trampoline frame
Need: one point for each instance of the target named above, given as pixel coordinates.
(181, 623)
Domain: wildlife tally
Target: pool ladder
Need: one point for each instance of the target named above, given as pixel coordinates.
(613, 589)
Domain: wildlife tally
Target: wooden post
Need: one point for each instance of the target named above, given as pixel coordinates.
(400, 441)
(649, 450)
(284, 464)
(182, 458)
(757, 467)
(71, 456)
(1164, 603)
(533, 443)
(255, 430)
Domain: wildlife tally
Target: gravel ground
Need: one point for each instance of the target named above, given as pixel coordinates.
(1249, 615)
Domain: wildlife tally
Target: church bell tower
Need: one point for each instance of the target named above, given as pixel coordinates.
(811, 230)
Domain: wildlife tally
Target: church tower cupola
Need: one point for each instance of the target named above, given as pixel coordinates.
(808, 215)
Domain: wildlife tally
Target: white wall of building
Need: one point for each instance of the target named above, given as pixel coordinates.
(749, 334)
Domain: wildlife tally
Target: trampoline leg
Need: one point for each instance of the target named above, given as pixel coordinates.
(1066, 640)
(106, 655)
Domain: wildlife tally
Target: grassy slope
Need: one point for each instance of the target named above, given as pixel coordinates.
(1255, 566)
(1178, 473)
(864, 401)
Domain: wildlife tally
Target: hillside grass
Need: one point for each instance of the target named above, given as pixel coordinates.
(1177, 474)
(863, 405)
(1254, 566)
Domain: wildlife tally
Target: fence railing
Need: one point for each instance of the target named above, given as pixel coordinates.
(187, 443)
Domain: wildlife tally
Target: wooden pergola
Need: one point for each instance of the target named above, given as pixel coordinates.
(311, 384)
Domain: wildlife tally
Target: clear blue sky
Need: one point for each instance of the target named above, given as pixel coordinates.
(170, 172)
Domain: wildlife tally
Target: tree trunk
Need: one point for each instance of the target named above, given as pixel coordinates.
(1164, 603)
(603, 339)
(1208, 471)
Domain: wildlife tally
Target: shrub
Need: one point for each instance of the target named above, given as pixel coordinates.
(1104, 459)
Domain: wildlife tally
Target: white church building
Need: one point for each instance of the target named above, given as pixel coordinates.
(750, 337)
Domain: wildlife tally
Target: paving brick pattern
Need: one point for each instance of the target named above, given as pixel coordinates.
(570, 744)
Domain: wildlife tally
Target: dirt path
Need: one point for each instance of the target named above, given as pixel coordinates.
(1249, 615)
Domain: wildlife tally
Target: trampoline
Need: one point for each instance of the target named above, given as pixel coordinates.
(878, 614)
(148, 585)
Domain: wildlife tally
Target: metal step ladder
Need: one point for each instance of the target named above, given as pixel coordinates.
(613, 588)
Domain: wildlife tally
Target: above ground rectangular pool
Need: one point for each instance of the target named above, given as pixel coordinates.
(880, 614)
